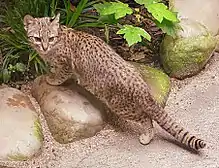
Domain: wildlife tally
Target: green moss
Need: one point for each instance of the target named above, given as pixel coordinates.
(158, 82)
(17, 157)
(186, 56)
(217, 48)
(38, 130)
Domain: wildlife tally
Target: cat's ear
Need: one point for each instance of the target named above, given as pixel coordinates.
(55, 22)
(27, 20)
(56, 19)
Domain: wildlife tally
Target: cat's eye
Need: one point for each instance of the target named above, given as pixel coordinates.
(51, 39)
(37, 39)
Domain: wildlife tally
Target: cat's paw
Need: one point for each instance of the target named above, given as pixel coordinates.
(145, 139)
(53, 81)
(76, 78)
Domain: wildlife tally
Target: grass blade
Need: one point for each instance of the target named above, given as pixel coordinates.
(77, 12)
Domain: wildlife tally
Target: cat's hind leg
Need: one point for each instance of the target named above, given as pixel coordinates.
(148, 133)
(141, 126)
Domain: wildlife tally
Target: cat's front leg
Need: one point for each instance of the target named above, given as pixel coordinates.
(52, 79)
(58, 75)
(75, 75)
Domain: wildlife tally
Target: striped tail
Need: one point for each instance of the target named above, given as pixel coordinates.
(173, 128)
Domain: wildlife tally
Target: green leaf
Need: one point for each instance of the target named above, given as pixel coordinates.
(11, 68)
(53, 7)
(6, 75)
(90, 24)
(118, 8)
(108, 19)
(68, 10)
(168, 27)
(20, 67)
(90, 4)
(146, 2)
(159, 11)
(77, 12)
(133, 34)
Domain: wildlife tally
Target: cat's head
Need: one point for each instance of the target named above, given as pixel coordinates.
(42, 32)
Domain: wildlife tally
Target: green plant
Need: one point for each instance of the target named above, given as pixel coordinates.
(112, 12)
(78, 18)
(18, 55)
(13, 41)
(11, 65)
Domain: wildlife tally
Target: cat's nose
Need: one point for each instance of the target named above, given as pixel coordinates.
(45, 46)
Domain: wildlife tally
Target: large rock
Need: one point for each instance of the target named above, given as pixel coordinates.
(217, 48)
(20, 131)
(70, 116)
(158, 82)
(187, 53)
(205, 12)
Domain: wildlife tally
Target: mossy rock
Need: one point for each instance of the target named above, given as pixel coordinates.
(21, 136)
(158, 82)
(217, 48)
(187, 53)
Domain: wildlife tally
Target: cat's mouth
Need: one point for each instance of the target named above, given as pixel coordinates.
(41, 51)
(44, 51)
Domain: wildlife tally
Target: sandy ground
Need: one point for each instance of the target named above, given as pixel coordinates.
(193, 102)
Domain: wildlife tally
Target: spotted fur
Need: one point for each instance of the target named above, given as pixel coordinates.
(101, 71)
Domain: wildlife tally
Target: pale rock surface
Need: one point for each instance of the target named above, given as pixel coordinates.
(20, 130)
(70, 116)
(205, 12)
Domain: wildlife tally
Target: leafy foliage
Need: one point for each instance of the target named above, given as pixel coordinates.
(72, 17)
(168, 27)
(133, 34)
(164, 18)
(76, 18)
(147, 2)
(159, 11)
(18, 56)
(119, 9)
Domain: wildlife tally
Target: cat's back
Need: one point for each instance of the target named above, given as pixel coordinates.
(101, 65)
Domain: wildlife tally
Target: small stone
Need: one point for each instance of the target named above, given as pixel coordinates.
(70, 116)
(20, 131)
(17, 86)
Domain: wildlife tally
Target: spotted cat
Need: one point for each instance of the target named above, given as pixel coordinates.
(102, 72)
